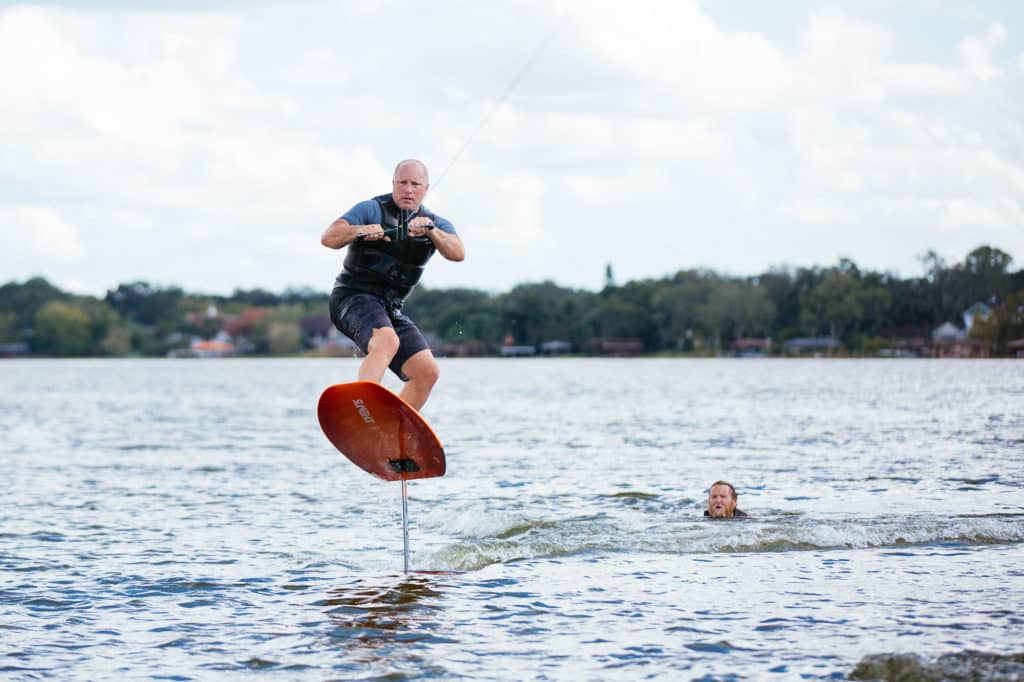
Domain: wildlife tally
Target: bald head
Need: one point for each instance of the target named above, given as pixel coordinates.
(412, 163)
(410, 184)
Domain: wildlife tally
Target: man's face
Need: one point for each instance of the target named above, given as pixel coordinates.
(721, 503)
(409, 186)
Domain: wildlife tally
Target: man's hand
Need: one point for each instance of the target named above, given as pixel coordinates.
(420, 226)
(371, 233)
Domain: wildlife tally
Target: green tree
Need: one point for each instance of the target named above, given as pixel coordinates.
(284, 338)
(789, 291)
(736, 308)
(836, 301)
(481, 322)
(313, 300)
(842, 302)
(146, 304)
(8, 327)
(609, 277)
(983, 276)
(1005, 324)
(634, 301)
(117, 341)
(62, 329)
(677, 305)
(25, 300)
(988, 261)
(616, 318)
(255, 297)
(987, 269)
(910, 313)
(456, 315)
(677, 312)
(535, 313)
(101, 316)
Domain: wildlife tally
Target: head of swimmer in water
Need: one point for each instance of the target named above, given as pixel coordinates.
(722, 499)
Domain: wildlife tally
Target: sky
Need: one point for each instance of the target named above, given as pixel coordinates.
(207, 144)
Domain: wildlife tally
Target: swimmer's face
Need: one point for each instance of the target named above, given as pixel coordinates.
(721, 502)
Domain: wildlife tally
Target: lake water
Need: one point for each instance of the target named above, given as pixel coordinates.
(183, 519)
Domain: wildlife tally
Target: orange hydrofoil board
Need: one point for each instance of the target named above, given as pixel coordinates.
(381, 433)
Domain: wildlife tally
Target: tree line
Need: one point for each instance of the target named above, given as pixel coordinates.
(691, 311)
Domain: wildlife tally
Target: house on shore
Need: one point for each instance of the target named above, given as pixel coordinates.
(13, 350)
(750, 347)
(510, 351)
(978, 311)
(212, 349)
(815, 346)
(617, 348)
(555, 347)
(949, 341)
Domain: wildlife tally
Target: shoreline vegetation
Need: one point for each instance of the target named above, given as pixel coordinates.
(974, 308)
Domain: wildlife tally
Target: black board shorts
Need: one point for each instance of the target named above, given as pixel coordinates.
(357, 314)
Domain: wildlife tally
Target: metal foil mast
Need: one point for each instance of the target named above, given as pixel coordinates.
(405, 523)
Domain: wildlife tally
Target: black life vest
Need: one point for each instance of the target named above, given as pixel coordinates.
(736, 514)
(389, 269)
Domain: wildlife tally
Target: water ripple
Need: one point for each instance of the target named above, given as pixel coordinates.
(174, 520)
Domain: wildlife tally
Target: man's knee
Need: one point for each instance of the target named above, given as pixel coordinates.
(430, 374)
(384, 340)
(422, 368)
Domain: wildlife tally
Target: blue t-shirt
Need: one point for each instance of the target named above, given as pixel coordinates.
(369, 212)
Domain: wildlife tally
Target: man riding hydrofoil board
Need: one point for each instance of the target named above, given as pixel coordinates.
(390, 238)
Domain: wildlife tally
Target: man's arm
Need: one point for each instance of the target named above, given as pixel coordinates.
(448, 243)
(340, 234)
(361, 221)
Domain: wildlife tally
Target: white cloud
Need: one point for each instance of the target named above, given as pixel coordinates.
(211, 148)
(39, 234)
(683, 59)
(617, 186)
(513, 215)
(880, 141)
(976, 52)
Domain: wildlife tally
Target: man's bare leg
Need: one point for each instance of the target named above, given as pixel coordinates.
(423, 373)
(380, 350)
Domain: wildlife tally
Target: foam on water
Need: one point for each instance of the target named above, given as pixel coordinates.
(488, 539)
